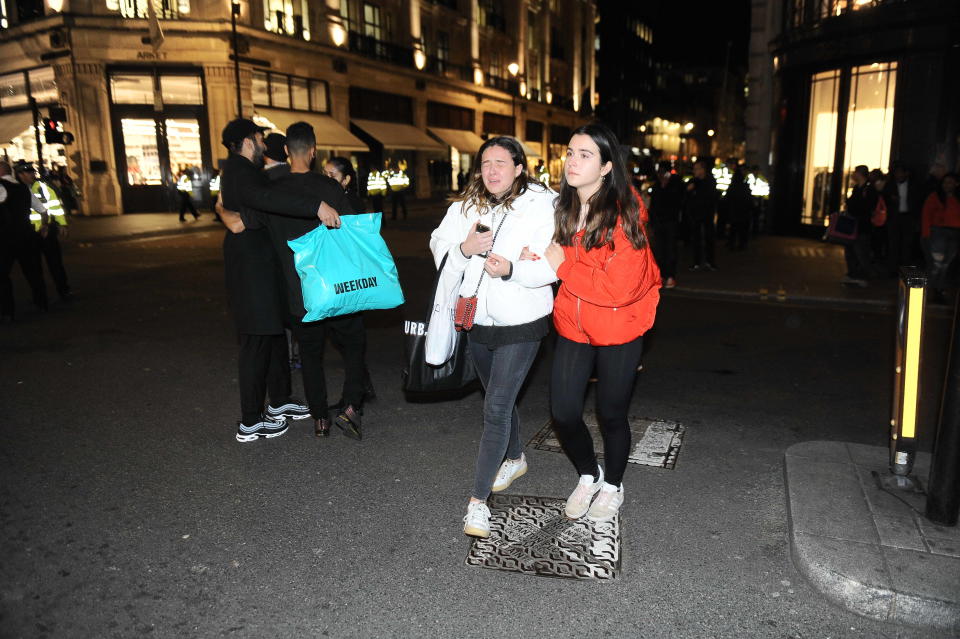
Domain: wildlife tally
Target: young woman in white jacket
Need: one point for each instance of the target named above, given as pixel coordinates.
(514, 300)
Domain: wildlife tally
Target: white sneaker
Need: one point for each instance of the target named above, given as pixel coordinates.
(579, 500)
(510, 469)
(607, 504)
(477, 521)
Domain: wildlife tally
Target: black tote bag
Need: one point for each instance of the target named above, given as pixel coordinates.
(457, 374)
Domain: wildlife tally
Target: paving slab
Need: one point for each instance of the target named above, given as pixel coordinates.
(908, 571)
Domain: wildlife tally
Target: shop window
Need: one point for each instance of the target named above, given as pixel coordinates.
(448, 116)
(13, 90)
(289, 92)
(142, 154)
(366, 104)
(534, 131)
(279, 91)
(43, 85)
(299, 94)
(287, 17)
(318, 96)
(131, 89)
(261, 88)
(869, 117)
(496, 123)
(181, 89)
(183, 144)
(821, 145)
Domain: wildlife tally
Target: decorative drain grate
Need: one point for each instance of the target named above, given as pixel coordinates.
(656, 441)
(531, 535)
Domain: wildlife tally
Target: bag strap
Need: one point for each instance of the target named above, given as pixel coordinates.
(495, 234)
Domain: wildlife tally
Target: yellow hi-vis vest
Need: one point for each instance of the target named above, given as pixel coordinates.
(398, 180)
(215, 185)
(376, 184)
(185, 183)
(48, 196)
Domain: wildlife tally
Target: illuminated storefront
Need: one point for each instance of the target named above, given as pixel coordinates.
(873, 88)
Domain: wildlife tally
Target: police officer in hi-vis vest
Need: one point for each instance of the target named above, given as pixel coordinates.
(49, 233)
(19, 242)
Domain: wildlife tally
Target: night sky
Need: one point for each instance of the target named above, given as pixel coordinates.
(697, 31)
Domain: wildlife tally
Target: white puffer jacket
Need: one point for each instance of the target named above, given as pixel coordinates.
(527, 295)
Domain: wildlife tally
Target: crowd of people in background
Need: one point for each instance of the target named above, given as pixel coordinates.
(903, 221)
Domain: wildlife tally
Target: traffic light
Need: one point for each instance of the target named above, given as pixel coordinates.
(53, 132)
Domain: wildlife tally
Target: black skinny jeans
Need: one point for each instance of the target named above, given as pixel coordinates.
(616, 366)
(312, 337)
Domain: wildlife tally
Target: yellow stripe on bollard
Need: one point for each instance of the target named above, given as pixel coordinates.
(911, 366)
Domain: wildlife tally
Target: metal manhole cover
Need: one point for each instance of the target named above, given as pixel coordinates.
(656, 441)
(531, 535)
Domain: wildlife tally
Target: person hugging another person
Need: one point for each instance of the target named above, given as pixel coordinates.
(607, 300)
(491, 234)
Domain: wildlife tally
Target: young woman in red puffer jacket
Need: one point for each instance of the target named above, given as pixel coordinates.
(607, 300)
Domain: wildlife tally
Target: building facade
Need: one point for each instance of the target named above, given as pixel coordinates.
(415, 84)
(848, 82)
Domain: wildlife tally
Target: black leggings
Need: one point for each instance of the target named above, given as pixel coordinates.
(573, 364)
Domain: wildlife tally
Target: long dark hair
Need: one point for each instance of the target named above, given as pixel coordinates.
(475, 194)
(614, 202)
(345, 168)
(942, 192)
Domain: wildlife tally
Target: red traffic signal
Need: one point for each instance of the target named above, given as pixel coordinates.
(53, 132)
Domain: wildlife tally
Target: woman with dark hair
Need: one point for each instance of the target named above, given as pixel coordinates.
(607, 300)
(501, 216)
(342, 172)
(940, 231)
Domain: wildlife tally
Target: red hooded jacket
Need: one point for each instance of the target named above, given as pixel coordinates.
(609, 294)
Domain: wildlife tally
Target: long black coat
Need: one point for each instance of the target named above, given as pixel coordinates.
(254, 281)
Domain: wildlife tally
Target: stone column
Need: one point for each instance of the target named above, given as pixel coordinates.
(591, 53)
(222, 102)
(420, 170)
(83, 89)
(577, 55)
(545, 54)
(475, 42)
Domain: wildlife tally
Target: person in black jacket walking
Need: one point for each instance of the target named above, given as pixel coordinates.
(666, 202)
(254, 284)
(700, 208)
(860, 205)
(19, 242)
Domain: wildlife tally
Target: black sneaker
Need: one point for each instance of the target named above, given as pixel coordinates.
(349, 422)
(290, 410)
(268, 427)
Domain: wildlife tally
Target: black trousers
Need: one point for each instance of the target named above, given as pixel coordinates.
(616, 366)
(702, 236)
(665, 248)
(263, 368)
(186, 203)
(348, 330)
(399, 199)
(53, 254)
(26, 251)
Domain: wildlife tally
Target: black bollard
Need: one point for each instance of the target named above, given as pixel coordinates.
(907, 365)
(943, 490)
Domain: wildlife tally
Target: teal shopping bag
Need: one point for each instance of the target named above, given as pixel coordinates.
(346, 270)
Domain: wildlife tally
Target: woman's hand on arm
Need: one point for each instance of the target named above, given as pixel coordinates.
(498, 266)
(231, 219)
(554, 255)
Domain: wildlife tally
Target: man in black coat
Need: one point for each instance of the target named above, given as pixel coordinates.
(254, 281)
(860, 205)
(666, 201)
(701, 209)
(19, 242)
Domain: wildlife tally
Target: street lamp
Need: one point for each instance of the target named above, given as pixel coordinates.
(710, 133)
(513, 68)
(234, 12)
